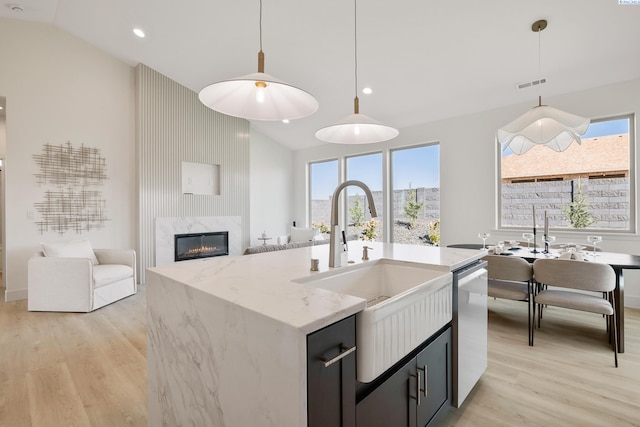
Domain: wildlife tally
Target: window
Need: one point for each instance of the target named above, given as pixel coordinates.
(415, 199)
(368, 169)
(323, 179)
(588, 186)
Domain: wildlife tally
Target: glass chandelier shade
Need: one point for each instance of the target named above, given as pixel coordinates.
(357, 129)
(258, 96)
(543, 125)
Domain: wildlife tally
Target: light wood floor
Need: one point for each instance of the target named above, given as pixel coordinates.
(59, 369)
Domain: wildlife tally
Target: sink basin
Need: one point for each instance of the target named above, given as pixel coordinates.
(406, 304)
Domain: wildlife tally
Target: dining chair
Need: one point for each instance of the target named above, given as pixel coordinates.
(511, 278)
(567, 278)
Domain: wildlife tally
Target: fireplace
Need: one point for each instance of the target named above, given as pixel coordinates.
(201, 245)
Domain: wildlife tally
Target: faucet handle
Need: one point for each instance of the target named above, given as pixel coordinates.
(365, 253)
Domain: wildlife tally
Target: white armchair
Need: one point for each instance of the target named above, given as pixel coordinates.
(58, 283)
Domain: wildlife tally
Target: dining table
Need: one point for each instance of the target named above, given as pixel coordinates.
(618, 261)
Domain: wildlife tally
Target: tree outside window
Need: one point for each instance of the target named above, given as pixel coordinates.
(586, 187)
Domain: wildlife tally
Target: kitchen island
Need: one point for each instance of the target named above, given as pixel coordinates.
(227, 337)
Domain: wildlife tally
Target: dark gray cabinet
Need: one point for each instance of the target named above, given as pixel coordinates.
(417, 392)
(331, 375)
(434, 365)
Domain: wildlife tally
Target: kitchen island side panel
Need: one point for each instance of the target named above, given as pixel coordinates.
(213, 363)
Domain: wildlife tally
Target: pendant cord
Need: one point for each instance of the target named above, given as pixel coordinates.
(355, 40)
(260, 24)
(539, 67)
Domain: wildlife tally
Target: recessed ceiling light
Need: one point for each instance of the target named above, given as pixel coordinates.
(1, 107)
(138, 32)
(285, 121)
(367, 91)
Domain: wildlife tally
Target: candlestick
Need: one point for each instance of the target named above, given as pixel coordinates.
(535, 244)
(546, 224)
(546, 233)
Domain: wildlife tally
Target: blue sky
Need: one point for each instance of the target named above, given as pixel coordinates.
(418, 167)
(609, 127)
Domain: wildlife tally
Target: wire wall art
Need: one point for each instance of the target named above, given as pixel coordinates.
(73, 178)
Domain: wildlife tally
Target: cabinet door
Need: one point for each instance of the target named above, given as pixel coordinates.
(392, 403)
(433, 366)
(331, 390)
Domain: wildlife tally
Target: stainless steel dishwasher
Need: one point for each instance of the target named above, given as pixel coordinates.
(469, 328)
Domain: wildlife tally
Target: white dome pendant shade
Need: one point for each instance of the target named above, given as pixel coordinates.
(357, 129)
(543, 125)
(258, 96)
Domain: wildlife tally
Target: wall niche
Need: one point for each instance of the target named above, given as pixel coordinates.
(200, 178)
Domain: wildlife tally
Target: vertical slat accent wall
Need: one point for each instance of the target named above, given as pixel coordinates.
(173, 126)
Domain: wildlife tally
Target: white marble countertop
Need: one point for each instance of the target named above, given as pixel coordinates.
(263, 283)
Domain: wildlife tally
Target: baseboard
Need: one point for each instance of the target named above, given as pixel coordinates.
(16, 295)
(631, 301)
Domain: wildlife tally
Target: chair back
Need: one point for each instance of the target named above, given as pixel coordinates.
(509, 268)
(589, 276)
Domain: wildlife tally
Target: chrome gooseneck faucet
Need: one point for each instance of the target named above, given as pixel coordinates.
(335, 251)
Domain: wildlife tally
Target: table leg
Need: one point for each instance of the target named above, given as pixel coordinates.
(619, 297)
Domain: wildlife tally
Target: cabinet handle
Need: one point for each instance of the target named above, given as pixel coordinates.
(345, 351)
(417, 377)
(424, 390)
(418, 386)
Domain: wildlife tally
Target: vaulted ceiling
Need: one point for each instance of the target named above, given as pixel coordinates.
(424, 60)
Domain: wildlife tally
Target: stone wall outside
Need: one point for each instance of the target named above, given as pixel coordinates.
(608, 199)
(430, 197)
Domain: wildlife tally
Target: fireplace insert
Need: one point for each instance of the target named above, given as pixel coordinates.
(201, 245)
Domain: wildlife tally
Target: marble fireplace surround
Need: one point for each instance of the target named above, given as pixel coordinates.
(166, 228)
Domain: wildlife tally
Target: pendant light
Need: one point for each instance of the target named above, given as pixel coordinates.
(543, 125)
(356, 128)
(258, 96)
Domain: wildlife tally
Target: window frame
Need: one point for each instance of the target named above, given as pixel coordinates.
(390, 189)
(380, 209)
(630, 117)
(310, 183)
(387, 185)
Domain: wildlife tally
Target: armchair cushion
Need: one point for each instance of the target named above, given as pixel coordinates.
(71, 249)
(108, 273)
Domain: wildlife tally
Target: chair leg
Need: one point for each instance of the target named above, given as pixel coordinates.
(615, 329)
(529, 321)
(532, 323)
(539, 315)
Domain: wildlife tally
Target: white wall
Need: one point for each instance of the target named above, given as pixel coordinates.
(469, 160)
(61, 89)
(3, 135)
(3, 148)
(271, 188)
